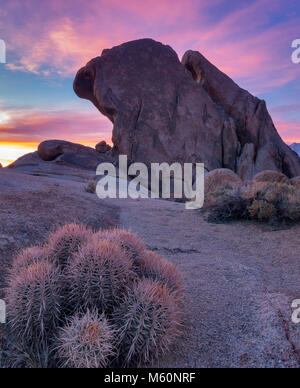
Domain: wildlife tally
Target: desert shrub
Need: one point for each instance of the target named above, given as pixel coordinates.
(148, 321)
(98, 276)
(269, 176)
(66, 241)
(262, 210)
(263, 201)
(152, 266)
(57, 297)
(86, 342)
(91, 187)
(230, 206)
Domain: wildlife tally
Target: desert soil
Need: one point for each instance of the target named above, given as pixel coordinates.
(240, 278)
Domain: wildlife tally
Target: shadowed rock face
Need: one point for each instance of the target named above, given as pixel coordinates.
(164, 110)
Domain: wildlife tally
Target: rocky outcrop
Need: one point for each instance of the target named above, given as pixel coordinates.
(51, 149)
(165, 110)
(296, 148)
(0, 165)
(103, 147)
(64, 159)
(75, 155)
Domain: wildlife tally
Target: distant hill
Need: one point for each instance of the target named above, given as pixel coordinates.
(296, 147)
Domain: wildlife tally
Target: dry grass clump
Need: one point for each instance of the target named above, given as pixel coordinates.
(263, 201)
(63, 298)
(271, 177)
(91, 187)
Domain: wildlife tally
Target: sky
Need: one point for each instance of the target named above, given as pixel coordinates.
(47, 42)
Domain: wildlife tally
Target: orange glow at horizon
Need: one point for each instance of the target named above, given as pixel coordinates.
(9, 152)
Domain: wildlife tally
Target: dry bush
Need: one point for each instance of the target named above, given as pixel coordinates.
(263, 201)
(91, 187)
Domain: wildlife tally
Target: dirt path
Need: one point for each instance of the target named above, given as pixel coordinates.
(240, 282)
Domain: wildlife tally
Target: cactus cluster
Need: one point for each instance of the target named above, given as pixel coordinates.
(92, 300)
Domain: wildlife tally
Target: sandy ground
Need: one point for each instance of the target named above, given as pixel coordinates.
(240, 281)
(240, 278)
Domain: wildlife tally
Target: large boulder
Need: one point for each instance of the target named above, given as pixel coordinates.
(163, 110)
(50, 149)
(102, 147)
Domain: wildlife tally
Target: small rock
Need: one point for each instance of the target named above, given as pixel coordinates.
(102, 147)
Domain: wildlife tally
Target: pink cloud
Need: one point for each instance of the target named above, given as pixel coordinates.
(34, 126)
(288, 129)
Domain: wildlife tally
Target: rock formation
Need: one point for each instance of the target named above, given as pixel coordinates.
(296, 148)
(72, 154)
(103, 147)
(163, 110)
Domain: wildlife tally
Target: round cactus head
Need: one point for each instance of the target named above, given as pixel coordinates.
(66, 241)
(148, 321)
(129, 242)
(98, 276)
(152, 266)
(86, 342)
(28, 257)
(33, 302)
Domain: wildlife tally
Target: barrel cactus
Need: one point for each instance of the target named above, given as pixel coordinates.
(129, 242)
(66, 241)
(33, 302)
(98, 276)
(86, 342)
(152, 266)
(148, 321)
(28, 257)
